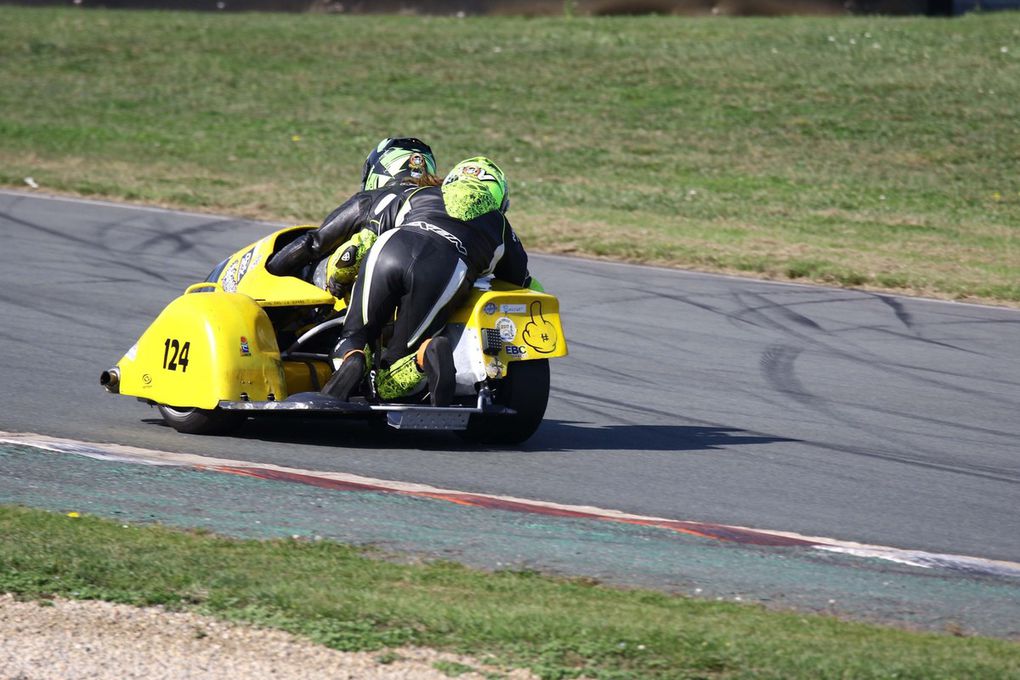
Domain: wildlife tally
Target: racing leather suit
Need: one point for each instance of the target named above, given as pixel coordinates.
(422, 266)
(364, 210)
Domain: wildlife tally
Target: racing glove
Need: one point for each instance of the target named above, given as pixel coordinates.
(342, 266)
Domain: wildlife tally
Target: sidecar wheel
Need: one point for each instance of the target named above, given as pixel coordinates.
(200, 421)
(525, 389)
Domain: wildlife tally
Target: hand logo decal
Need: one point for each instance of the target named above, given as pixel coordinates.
(539, 334)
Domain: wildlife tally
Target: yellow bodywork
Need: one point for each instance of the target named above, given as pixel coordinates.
(205, 347)
(245, 273)
(216, 342)
(306, 376)
(527, 322)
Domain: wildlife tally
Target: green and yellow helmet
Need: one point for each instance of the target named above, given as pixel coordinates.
(474, 187)
(404, 161)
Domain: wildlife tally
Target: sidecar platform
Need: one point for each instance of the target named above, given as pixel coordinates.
(398, 416)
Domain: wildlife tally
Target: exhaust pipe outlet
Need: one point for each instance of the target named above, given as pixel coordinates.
(110, 379)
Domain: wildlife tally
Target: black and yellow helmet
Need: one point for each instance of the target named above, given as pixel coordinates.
(397, 161)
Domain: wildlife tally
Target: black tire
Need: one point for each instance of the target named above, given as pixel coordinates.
(200, 421)
(525, 389)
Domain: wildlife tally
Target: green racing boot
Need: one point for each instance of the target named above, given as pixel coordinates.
(399, 380)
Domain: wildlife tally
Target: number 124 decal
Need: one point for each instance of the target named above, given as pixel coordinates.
(175, 355)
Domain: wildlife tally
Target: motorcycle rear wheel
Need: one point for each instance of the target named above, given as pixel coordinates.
(525, 389)
(200, 421)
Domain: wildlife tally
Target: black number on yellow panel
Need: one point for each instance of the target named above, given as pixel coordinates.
(175, 355)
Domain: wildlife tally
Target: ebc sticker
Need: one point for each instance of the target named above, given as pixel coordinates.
(175, 355)
(515, 351)
(507, 329)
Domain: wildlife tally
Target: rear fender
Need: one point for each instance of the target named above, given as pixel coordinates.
(501, 325)
(206, 346)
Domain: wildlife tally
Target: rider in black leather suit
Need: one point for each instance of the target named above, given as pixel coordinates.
(432, 250)
(392, 171)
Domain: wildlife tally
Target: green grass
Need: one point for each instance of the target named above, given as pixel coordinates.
(342, 597)
(862, 151)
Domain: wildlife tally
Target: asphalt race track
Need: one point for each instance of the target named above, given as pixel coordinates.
(827, 412)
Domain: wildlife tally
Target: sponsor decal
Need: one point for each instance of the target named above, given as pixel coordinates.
(507, 329)
(457, 243)
(245, 351)
(539, 334)
(513, 309)
(477, 172)
(489, 308)
(229, 280)
(495, 369)
(515, 351)
(147, 379)
(246, 261)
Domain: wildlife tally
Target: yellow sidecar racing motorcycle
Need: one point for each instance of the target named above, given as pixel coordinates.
(246, 343)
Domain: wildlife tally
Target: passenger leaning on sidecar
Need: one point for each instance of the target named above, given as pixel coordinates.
(422, 268)
(393, 170)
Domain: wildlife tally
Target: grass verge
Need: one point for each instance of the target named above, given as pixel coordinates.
(859, 151)
(342, 597)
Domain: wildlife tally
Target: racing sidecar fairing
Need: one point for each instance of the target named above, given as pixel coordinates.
(213, 357)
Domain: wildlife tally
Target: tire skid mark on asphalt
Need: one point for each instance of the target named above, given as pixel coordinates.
(340, 481)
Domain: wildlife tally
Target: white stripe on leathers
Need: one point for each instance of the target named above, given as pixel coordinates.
(452, 286)
(373, 256)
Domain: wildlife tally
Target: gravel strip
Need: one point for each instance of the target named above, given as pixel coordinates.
(73, 639)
